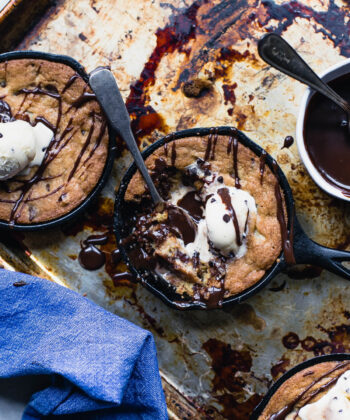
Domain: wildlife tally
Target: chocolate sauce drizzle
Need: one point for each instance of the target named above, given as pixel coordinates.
(208, 149)
(71, 80)
(287, 236)
(226, 199)
(212, 157)
(83, 98)
(211, 145)
(44, 121)
(283, 412)
(57, 144)
(233, 144)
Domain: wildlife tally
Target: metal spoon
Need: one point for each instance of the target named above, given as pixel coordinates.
(279, 54)
(105, 87)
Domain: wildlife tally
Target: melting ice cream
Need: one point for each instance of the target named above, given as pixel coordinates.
(22, 146)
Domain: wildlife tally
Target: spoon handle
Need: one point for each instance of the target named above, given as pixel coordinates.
(105, 87)
(279, 54)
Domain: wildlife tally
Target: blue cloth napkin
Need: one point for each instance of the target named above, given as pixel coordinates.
(101, 366)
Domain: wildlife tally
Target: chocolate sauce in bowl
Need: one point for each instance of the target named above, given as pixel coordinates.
(326, 136)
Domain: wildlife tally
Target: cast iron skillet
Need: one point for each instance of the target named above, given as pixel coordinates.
(15, 55)
(306, 251)
(304, 365)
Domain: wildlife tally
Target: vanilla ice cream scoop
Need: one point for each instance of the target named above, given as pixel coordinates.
(21, 146)
(226, 214)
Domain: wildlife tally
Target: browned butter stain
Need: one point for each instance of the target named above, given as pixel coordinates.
(99, 217)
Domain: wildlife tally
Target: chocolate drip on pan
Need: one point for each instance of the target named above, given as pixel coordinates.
(90, 257)
(288, 141)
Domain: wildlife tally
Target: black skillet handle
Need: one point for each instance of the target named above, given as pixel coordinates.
(307, 251)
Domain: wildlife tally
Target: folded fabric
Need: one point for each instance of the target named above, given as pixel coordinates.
(101, 366)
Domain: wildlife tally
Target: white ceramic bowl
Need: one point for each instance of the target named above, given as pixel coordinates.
(330, 74)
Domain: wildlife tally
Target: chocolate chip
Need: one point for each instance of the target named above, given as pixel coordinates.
(226, 218)
(220, 179)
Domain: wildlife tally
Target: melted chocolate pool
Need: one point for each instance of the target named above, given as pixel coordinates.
(326, 136)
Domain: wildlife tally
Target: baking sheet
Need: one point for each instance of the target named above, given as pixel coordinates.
(214, 364)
